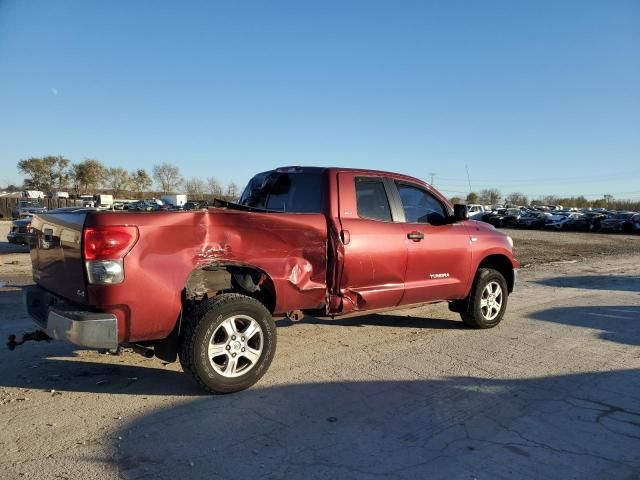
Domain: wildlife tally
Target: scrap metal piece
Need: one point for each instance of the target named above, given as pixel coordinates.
(295, 315)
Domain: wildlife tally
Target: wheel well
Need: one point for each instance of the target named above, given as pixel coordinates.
(503, 265)
(211, 280)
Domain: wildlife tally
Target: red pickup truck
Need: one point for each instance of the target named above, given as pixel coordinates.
(204, 286)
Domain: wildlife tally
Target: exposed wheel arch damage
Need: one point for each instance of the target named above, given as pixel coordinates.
(209, 280)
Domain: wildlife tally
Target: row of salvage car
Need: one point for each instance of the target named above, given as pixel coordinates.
(582, 220)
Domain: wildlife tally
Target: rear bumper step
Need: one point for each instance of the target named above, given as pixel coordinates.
(63, 321)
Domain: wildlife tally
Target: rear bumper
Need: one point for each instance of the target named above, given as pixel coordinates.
(71, 323)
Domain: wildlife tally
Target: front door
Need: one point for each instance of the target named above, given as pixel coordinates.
(439, 252)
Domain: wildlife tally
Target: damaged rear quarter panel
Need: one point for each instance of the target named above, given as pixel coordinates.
(290, 248)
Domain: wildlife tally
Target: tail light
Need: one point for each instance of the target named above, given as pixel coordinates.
(104, 249)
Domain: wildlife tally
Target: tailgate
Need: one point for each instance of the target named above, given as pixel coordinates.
(56, 254)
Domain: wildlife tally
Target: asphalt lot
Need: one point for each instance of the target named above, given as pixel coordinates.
(553, 392)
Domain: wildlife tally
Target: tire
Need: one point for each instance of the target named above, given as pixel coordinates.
(213, 333)
(476, 314)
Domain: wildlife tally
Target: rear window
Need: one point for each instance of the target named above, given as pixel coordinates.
(298, 192)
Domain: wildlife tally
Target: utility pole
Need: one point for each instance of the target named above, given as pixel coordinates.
(468, 177)
(432, 175)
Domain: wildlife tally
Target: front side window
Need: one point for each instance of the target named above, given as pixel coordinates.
(421, 206)
(372, 200)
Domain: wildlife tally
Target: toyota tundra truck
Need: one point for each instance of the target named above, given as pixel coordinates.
(204, 286)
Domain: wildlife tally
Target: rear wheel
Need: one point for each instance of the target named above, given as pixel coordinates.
(487, 301)
(228, 343)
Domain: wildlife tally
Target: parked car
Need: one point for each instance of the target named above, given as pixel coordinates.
(587, 222)
(558, 221)
(203, 286)
(504, 217)
(627, 222)
(532, 220)
(26, 208)
(143, 206)
(19, 230)
(195, 205)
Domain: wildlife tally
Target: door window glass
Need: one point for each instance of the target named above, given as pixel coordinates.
(420, 206)
(372, 200)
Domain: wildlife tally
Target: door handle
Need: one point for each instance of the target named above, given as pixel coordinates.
(345, 236)
(415, 236)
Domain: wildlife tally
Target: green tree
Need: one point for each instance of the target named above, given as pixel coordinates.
(44, 173)
(168, 177)
(87, 175)
(140, 181)
(455, 200)
(472, 197)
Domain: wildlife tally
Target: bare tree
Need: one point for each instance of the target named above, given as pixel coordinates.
(213, 187)
(232, 190)
(194, 187)
(517, 198)
(117, 179)
(490, 196)
(140, 181)
(168, 177)
(549, 200)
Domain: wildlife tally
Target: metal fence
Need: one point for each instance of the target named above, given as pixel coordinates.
(8, 204)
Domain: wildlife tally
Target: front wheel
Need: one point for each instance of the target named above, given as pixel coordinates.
(487, 301)
(228, 343)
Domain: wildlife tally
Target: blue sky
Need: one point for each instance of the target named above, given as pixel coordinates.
(540, 97)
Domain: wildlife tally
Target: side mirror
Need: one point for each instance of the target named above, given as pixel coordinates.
(460, 212)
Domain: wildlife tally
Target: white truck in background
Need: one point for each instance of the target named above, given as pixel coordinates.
(103, 200)
(476, 211)
(177, 200)
(32, 194)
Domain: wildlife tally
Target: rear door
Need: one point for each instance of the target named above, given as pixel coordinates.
(56, 255)
(439, 252)
(375, 251)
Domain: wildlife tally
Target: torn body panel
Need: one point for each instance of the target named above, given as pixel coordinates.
(175, 251)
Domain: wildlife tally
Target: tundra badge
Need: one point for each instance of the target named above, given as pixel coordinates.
(439, 275)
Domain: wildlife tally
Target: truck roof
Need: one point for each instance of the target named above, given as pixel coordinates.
(399, 176)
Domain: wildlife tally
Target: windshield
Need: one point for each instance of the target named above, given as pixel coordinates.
(298, 192)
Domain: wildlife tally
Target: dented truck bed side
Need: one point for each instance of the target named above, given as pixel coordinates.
(290, 249)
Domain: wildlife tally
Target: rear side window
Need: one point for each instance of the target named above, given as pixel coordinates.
(420, 206)
(299, 192)
(372, 200)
